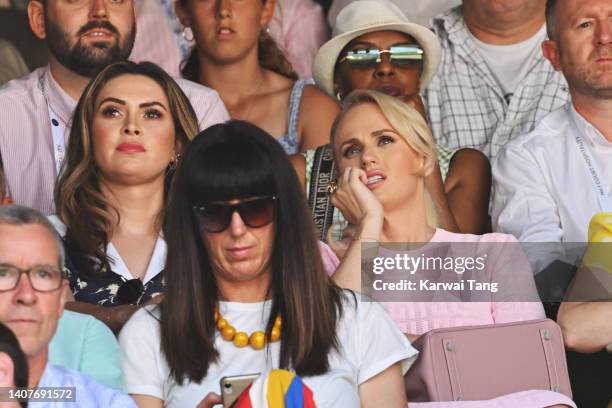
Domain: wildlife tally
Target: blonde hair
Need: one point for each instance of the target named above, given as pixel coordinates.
(78, 195)
(408, 123)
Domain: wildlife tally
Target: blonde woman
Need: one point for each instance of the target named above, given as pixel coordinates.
(130, 128)
(384, 150)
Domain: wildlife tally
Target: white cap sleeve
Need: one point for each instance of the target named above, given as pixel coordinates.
(141, 355)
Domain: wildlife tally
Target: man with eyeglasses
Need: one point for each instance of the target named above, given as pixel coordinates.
(33, 291)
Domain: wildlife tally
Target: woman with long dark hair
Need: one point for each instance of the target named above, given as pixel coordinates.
(249, 291)
(130, 128)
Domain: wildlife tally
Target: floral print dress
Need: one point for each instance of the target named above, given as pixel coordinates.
(103, 291)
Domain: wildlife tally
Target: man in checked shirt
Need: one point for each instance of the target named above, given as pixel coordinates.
(493, 83)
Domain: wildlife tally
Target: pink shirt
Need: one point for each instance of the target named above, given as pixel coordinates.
(155, 39)
(420, 317)
(512, 266)
(299, 29)
(26, 141)
(330, 260)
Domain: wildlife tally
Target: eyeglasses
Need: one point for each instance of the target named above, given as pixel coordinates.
(130, 291)
(255, 212)
(400, 54)
(42, 278)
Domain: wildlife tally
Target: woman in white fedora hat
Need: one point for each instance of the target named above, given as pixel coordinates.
(374, 46)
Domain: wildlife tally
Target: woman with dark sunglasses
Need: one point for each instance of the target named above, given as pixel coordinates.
(130, 128)
(249, 291)
(235, 55)
(375, 47)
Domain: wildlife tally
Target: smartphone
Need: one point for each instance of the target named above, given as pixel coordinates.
(232, 387)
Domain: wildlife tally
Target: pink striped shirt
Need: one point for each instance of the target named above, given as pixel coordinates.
(155, 40)
(26, 142)
(299, 29)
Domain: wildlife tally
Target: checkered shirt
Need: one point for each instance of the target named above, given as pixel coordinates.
(465, 104)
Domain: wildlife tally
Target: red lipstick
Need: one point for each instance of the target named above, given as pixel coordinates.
(131, 148)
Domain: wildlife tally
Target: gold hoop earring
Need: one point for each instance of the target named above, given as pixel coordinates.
(172, 165)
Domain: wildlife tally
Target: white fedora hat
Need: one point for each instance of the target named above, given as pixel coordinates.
(366, 16)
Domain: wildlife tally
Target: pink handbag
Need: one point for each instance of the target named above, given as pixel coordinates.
(484, 362)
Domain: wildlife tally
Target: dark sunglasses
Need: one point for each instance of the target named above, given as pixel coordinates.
(400, 54)
(255, 212)
(130, 291)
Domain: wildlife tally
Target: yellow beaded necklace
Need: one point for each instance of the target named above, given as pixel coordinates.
(257, 339)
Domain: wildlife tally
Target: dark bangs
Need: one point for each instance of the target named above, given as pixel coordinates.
(226, 163)
(238, 160)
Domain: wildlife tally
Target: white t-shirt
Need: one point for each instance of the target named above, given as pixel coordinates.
(370, 343)
(509, 63)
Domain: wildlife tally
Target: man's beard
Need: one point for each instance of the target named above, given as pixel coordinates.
(87, 60)
(588, 80)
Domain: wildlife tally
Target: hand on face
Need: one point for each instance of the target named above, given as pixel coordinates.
(354, 199)
(365, 140)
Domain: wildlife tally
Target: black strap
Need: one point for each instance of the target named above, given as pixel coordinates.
(323, 171)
